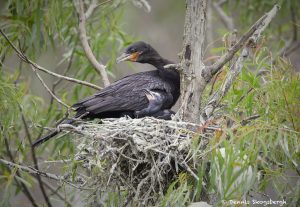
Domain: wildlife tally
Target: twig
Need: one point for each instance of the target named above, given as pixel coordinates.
(28, 135)
(243, 96)
(190, 171)
(213, 83)
(23, 57)
(269, 16)
(248, 119)
(100, 68)
(32, 170)
(35, 172)
(49, 90)
(250, 36)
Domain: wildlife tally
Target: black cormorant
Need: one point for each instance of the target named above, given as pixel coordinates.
(150, 93)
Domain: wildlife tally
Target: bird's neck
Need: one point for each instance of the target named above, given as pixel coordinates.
(165, 73)
(159, 62)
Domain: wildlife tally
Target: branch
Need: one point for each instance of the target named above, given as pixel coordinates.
(49, 90)
(34, 171)
(23, 57)
(100, 68)
(220, 93)
(31, 170)
(237, 67)
(74, 80)
(250, 36)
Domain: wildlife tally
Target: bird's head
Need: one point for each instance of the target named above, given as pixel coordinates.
(139, 52)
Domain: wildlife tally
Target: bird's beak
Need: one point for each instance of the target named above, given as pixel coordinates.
(149, 95)
(130, 57)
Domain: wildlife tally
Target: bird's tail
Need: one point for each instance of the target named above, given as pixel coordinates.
(50, 135)
(44, 138)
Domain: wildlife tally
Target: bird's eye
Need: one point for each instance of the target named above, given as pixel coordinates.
(132, 50)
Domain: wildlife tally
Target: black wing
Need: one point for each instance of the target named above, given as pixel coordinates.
(126, 94)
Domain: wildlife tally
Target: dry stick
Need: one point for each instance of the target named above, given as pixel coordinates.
(28, 135)
(220, 93)
(211, 70)
(100, 68)
(237, 67)
(21, 184)
(23, 57)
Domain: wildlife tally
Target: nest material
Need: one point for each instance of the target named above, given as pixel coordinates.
(138, 156)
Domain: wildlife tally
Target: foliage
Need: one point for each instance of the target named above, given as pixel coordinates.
(37, 27)
(263, 153)
(268, 145)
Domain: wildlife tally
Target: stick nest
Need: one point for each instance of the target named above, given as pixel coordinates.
(138, 156)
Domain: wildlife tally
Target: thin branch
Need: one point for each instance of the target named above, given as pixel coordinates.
(269, 16)
(249, 38)
(190, 171)
(100, 68)
(74, 80)
(38, 177)
(23, 57)
(248, 119)
(34, 171)
(49, 90)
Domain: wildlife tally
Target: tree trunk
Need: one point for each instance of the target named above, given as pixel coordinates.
(192, 82)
